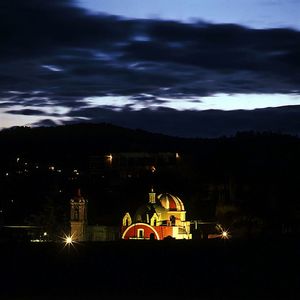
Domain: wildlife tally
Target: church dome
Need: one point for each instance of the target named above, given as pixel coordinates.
(171, 202)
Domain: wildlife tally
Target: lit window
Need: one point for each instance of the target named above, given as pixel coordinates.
(172, 220)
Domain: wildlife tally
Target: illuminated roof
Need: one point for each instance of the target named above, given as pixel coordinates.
(171, 202)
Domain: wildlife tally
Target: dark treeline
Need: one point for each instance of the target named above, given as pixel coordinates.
(247, 181)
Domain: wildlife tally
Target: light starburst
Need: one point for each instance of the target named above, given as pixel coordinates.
(225, 235)
(68, 240)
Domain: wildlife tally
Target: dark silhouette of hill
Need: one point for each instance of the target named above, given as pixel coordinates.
(92, 139)
(82, 140)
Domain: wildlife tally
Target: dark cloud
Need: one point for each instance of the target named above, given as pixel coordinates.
(101, 55)
(28, 112)
(36, 27)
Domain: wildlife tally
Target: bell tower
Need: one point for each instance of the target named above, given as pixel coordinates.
(78, 207)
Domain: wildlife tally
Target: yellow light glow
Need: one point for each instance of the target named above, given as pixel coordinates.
(109, 159)
(68, 240)
(225, 235)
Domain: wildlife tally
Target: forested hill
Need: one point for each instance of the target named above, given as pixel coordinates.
(82, 139)
(94, 139)
(74, 144)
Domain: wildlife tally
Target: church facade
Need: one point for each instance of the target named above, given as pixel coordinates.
(164, 216)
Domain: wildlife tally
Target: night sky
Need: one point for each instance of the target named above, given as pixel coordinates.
(182, 67)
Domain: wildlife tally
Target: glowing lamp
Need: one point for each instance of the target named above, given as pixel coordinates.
(225, 235)
(68, 240)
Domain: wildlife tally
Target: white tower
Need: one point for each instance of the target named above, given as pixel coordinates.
(78, 217)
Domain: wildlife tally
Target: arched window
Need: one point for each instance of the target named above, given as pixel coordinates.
(140, 233)
(127, 220)
(154, 220)
(76, 213)
(172, 220)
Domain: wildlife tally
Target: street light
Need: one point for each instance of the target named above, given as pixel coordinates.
(225, 235)
(68, 240)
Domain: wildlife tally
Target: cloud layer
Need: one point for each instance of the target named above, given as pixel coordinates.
(55, 54)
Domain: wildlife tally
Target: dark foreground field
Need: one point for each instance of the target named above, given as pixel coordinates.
(234, 269)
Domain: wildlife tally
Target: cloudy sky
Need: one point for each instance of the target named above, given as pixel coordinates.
(182, 67)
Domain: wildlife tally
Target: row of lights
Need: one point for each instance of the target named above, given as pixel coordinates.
(50, 168)
(69, 240)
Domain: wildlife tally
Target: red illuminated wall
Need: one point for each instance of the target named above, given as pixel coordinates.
(132, 231)
(160, 232)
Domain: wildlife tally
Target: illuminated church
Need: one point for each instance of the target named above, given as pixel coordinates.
(164, 216)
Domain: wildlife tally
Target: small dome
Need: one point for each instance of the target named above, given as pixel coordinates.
(158, 208)
(148, 209)
(171, 202)
(142, 212)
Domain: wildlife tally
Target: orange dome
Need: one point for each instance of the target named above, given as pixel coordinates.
(171, 202)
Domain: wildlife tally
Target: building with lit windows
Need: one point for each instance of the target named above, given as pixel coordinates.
(132, 164)
(164, 216)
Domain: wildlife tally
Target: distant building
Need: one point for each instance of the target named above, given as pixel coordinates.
(132, 164)
(203, 230)
(22, 233)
